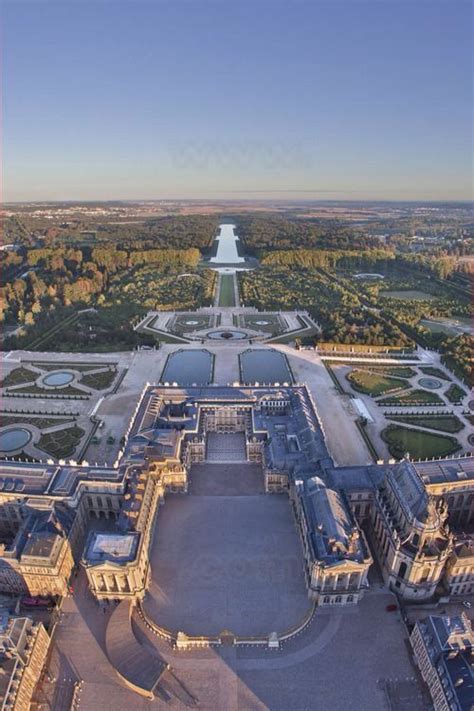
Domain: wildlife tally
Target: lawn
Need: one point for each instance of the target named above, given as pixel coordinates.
(374, 383)
(408, 295)
(419, 444)
(449, 326)
(444, 423)
(227, 293)
(454, 393)
(62, 443)
(397, 371)
(413, 397)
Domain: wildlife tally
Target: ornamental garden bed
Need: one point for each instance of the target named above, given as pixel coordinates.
(99, 381)
(444, 423)
(18, 376)
(419, 444)
(62, 443)
(412, 398)
(374, 384)
(435, 372)
(454, 393)
(42, 423)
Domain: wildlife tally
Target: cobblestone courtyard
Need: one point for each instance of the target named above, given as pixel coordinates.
(227, 562)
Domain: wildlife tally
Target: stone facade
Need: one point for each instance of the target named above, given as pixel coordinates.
(444, 652)
(336, 553)
(410, 514)
(23, 649)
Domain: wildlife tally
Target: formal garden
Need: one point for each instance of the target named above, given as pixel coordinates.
(266, 322)
(61, 443)
(59, 379)
(410, 409)
(184, 323)
(27, 434)
(374, 384)
(442, 422)
(419, 444)
(411, 397)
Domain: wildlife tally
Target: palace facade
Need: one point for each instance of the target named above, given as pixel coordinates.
(413, 518)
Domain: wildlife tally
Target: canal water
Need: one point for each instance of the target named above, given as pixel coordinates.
(227, 246)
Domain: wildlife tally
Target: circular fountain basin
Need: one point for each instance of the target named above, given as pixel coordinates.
(430, 383)
(16, 438)
(58, 377)
(224, 335)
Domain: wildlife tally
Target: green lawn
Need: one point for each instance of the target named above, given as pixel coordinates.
(373, 383)
(419, 444)
(454, 393)
(412, 397)
(444, 423)
(227, 293)
(408, 295)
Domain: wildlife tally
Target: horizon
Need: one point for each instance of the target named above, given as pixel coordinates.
(205, 101)
(339, 201)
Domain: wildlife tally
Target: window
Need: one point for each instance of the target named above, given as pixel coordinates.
(402, 570)
(326, 598)
(338, 599)
(350, 598)
(425, 574)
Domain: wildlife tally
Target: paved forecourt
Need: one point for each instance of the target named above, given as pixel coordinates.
(226, 563)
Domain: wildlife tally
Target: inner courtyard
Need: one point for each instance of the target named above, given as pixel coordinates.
(227, 557)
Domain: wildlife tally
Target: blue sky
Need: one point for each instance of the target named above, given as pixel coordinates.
(339, 99)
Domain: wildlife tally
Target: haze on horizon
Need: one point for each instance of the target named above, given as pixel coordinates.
(340, 99)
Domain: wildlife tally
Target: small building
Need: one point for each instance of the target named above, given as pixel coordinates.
(336, 553)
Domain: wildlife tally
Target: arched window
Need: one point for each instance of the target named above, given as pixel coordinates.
(402, 570)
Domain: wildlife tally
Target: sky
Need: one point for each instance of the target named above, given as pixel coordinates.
(337, 99)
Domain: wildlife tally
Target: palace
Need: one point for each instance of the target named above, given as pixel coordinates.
(407, 516)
